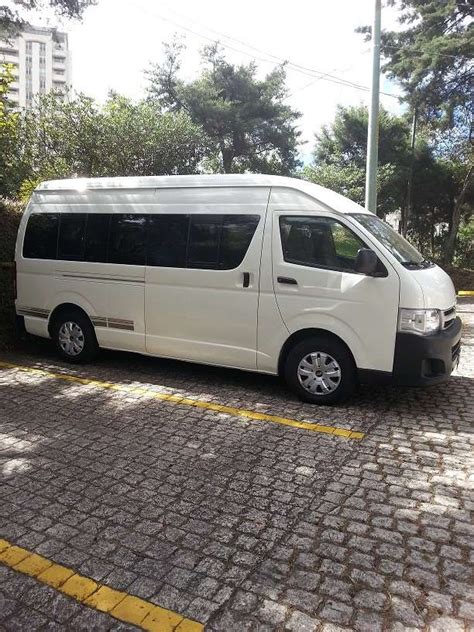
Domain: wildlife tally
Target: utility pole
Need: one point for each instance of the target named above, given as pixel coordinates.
(373, 132)
(409, 207)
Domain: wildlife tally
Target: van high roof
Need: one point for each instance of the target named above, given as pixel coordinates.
(323, 195)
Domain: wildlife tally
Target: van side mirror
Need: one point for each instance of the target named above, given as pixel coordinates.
(366, 262)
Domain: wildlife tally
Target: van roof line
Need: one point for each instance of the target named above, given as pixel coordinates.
(153, 182)
(82, 185)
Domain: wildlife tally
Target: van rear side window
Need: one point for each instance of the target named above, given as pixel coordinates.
(72, 229)
(168, 240)
(127, 239)
(97, 237)
(41, 238)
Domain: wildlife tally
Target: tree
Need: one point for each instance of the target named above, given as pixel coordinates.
(438, 178)
(8, 131)
(58, 139)
(142, 140)
(465, 194)
(340, 157)
(432, 59)
(432, 56)
(11, 20)
(245, 117)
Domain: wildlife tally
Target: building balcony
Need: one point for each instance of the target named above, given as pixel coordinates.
(10, 48)
(8, 58)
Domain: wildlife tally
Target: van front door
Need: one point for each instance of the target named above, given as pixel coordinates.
(317, 287)
(202, 284)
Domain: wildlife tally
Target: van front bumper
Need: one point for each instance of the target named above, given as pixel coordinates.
(421, 360)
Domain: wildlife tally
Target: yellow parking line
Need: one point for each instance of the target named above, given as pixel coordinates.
(197, 403)
(466, 293)
(118, 604)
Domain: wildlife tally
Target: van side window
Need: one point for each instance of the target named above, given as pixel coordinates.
(320, 242)
(97, 235)
(167, 240)
(127, 242)
(237, 233)
(210, 242)
(346, 244)
(72, 228)
(204, 241)
(41, 236)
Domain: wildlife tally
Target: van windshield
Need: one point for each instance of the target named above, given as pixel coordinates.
(400, 248)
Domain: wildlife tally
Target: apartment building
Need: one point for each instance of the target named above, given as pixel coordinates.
(41, 60)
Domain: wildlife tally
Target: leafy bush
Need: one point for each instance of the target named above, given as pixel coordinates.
(10, 216)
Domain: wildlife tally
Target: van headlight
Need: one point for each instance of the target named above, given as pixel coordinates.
(419, 321)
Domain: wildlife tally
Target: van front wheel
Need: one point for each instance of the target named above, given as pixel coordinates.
(74, 337)
(320, 370)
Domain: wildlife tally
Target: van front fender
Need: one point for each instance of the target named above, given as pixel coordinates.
(327, 322)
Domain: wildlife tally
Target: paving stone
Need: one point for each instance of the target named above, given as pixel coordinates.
(336, 612)
(442, 624)
(368, 622)
(405, 612)
(271, 612)
(466, 610)
(370, 600)
(301, 622)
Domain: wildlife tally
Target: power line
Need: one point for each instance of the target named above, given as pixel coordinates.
(271, 55)
(310, 72)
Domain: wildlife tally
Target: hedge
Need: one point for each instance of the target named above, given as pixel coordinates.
(10, 216)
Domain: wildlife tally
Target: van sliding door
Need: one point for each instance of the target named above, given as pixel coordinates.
(202, 277)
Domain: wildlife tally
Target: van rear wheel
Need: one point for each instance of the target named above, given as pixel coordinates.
(320, 370)
(74, 337)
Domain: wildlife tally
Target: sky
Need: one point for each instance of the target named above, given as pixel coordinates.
(118, 39)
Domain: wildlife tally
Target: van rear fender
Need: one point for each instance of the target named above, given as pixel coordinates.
(69, 300)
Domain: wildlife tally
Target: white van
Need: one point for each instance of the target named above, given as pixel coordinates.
(260, 273)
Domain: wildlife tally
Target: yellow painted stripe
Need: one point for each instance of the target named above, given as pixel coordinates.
(86, 591)
(466, 293)
(197, 403)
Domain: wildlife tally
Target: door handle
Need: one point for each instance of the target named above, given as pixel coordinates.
(246, 282)
(287, 280)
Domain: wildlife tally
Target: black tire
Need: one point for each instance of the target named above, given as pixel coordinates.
(86, 341)
(342, 382)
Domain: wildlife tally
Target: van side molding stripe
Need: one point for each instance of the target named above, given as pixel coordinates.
(36, 312)
(113, 323)
(93, 277)
(97, 321)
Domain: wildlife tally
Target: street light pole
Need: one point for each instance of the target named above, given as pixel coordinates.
(373, 132)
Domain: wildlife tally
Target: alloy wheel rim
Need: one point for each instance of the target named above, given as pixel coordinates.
(71, 338)
(319, 373)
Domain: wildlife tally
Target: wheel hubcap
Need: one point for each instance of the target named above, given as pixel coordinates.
(319, 373)
(71, 338)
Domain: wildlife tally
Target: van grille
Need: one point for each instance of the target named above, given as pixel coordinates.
(449, 317)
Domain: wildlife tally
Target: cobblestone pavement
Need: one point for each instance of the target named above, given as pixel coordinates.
(240, 524)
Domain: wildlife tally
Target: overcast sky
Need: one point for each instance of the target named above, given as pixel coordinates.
(118, 39)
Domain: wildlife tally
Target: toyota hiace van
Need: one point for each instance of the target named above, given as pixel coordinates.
(261, 273)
